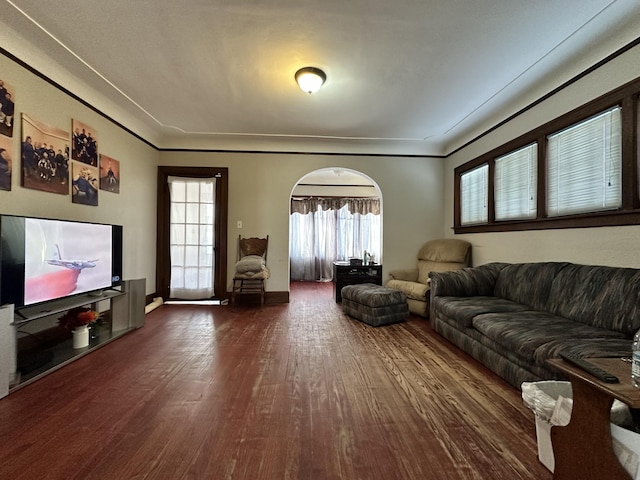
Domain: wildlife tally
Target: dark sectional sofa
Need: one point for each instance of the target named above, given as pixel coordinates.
(513, 317)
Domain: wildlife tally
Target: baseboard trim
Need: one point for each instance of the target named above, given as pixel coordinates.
(270, 298)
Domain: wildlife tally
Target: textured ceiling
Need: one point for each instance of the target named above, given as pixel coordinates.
(412, 76)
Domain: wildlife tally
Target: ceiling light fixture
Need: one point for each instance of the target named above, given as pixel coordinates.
(310, 79)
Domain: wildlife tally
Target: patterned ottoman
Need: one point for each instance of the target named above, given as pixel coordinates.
(374, 304)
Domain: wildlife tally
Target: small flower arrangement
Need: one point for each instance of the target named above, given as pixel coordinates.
(78, 317)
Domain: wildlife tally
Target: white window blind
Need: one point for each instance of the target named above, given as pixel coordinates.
(515, 184)
(584, 166)
(474, 192)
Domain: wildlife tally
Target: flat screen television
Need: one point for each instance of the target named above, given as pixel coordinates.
(46, 259)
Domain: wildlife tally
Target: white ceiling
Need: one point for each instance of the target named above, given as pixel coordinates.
(410, 76)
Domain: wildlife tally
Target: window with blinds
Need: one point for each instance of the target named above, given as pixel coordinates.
(584, 166)
(474, 188)
(577, 170)
(515, 184)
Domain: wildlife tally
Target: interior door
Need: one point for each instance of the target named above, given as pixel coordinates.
(163, 250)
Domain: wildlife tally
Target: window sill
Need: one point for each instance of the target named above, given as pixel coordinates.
(602, 219)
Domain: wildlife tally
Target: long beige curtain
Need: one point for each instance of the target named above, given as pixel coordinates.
(325, 230)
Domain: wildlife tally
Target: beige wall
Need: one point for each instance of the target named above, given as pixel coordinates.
(260, 187)
(134, 207)
(417, 193)
(616, 246)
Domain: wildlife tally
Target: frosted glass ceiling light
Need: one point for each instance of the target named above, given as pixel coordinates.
(310, 79)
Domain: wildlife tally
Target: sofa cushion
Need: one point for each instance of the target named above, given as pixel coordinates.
(528, 283)
(606, 297)
(468, 282)
(414, 290)
(464, 309)
(528, 330)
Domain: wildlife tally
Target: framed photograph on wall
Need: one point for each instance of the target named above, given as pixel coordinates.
(109, 174)
(44, 157)
(6, 163)
(7, 108)
(84, 143)
(84, 184)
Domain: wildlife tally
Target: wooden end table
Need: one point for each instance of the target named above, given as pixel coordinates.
(583, 450)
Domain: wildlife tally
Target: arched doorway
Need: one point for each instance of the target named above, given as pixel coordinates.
(335, 214)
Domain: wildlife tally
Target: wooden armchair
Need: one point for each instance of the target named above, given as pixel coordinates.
(251, 268)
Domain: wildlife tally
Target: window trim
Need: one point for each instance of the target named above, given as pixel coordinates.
(626, 96)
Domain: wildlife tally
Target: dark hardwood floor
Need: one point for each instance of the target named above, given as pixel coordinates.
(295, 391)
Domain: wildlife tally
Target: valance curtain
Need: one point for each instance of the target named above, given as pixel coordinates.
(324, 230)
(363, 206)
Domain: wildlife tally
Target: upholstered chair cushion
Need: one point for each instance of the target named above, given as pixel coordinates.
(445, 250)
(425, 266)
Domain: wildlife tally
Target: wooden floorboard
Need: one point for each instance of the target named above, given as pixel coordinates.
(294, 391)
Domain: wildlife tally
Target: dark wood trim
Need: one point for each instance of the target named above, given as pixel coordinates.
(601, 219)
(541, 204)
(491, 213)
(163, 266)
(270, 298)
(630, 157)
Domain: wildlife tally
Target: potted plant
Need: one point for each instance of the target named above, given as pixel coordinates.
(78, 320)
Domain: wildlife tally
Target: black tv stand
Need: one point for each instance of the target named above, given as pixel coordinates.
(346, 274)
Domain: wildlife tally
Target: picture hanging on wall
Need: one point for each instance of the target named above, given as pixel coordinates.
(5, 163)
(109, 174)
(44, 157)
(84, 184)
(85, 143)
(7, 106)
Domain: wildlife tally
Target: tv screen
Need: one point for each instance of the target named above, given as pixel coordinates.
(44, 259)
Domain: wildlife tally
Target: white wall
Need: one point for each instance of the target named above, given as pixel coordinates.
(134, 207)
(260, 187)
(615, 246)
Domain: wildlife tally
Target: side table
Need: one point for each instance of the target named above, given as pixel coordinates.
(346, 274)
(583, 450)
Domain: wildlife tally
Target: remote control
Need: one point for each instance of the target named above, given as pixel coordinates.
(597, 372)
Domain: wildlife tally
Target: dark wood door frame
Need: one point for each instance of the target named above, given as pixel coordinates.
(163, 260)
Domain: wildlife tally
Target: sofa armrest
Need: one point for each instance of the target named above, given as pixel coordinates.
(467, 282)
(409, 275)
